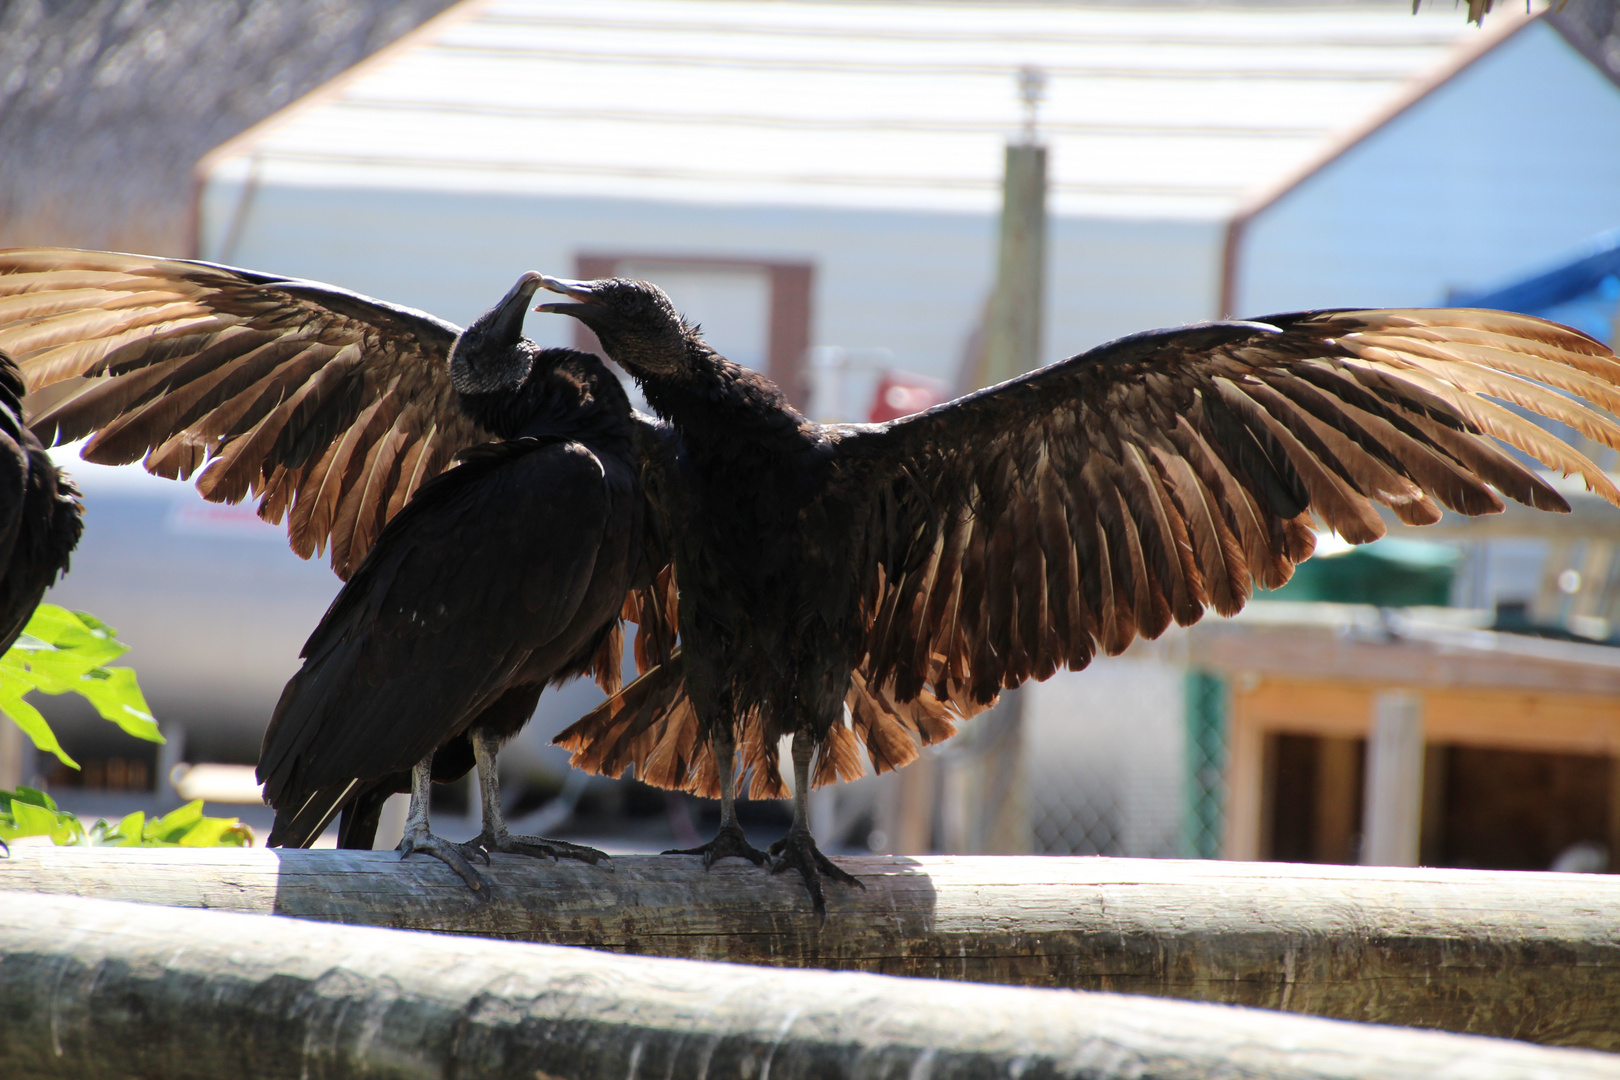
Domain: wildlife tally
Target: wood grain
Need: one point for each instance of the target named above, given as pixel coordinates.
(94, 989)
(1522, 955)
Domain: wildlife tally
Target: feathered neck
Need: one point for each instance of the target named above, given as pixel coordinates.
(711, 397)
(567, 393)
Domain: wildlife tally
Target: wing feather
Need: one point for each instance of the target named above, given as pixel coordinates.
(286, 390)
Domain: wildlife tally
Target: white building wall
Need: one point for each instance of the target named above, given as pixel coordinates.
(1508, 164)
(911, 283)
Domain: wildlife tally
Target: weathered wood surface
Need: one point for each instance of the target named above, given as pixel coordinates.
(1527, 956)
(94, 989)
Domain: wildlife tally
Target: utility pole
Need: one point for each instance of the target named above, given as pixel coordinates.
(14, 751)
(992, 774)
(1012, 342)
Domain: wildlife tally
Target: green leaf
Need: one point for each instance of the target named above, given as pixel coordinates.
(117, 697)
(31, 812)
(54, 672)
(61, 646)
(127, 833)
(94, 624)
(216, 832)
(75, 632)
(32, 795)
(34, 726)
(63, 651)
(30, 819)
(169, 828)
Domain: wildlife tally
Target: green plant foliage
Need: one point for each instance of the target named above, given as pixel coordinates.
(62, 651)
(30, 812)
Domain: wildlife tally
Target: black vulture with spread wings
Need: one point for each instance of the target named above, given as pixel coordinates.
(912, 570)
(469, 588)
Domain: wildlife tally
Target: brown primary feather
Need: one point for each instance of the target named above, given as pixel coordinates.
(1341, 448)
(1514, 430)
(361, 514)
(1339, 507)
(1211, 544)
(1395, 440)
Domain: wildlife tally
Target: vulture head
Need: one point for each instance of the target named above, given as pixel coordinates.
(492, 355)
(634, 320)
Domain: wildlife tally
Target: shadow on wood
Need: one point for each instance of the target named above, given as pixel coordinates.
(1527, 956)
(95, 988)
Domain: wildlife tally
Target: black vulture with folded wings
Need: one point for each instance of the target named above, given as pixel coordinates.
(470, 586)
(912, 570)
(40, 516)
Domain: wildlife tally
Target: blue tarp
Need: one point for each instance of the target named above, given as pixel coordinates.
(1582, 293)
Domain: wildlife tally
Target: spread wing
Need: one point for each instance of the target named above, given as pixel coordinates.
(1017, 530)
(328, 406)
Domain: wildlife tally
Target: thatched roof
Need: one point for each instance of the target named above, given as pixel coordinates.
(105, 105)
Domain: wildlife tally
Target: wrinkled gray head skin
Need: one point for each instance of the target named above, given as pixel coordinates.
(637, 325)
(492, 354)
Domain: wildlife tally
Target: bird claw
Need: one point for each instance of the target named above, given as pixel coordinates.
(537, 847)
(729, 842)
(474, 849)
(798, 850)
(450, 854)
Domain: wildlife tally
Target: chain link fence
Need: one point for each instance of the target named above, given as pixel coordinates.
(1126, 758)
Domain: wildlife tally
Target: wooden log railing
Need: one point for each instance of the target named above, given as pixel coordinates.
(93, 989)
(1527, 956)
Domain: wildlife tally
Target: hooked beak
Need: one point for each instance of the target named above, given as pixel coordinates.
(508, 321)
(583, 293)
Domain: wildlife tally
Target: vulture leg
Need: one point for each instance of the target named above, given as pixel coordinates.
(495, 837)
(418, 837)
(798, 848)
(730, 839)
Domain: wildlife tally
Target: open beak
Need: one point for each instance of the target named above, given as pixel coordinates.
(583, 293)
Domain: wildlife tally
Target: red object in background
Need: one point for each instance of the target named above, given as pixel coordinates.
(901, 393)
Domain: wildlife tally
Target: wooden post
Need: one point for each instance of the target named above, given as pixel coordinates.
(1392, 810)
(1614, 814)
(1012, 342)
(1436, 765)
(1004, 780)
(912, 791)
(1335, 800)
(1528, 955)
(1245, 777)
(1012, 346)
(94, 989)
(14, 748)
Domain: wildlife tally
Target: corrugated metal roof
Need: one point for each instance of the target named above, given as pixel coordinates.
(1150, 111)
